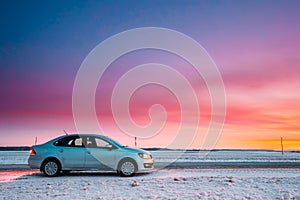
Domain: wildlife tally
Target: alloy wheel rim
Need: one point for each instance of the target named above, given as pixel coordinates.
(127, 168)
(51, 168)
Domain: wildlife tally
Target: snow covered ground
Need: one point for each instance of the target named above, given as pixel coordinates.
(192, 158)
(226, 158)
(226, 183)
(13, 157)
(209, 182)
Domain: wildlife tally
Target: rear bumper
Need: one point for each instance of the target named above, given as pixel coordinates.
(34, 162)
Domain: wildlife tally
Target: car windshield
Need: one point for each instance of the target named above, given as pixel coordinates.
(114, 142)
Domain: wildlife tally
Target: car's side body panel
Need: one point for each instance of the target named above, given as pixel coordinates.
(71, 158)
(100, 158)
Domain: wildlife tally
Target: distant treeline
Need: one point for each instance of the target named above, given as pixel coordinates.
(191, 150)
(14, 148)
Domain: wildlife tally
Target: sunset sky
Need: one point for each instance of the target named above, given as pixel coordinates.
(255, 45)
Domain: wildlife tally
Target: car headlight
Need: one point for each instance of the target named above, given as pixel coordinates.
(145, 155)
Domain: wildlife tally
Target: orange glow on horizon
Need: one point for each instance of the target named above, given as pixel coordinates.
(288, 144)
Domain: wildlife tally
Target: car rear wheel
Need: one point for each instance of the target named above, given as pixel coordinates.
(51, 168)
(127, 168)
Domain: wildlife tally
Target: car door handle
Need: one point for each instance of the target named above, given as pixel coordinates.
(61, 150)
(88, 152)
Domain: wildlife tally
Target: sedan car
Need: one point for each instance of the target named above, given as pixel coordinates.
(88, 152)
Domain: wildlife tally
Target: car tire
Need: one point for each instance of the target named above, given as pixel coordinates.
(51, 167)
(127, 167)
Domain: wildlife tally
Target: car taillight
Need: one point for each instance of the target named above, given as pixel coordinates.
(31, 151)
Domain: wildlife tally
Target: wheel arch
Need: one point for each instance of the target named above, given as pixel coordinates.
(50, 158)
(126, 159)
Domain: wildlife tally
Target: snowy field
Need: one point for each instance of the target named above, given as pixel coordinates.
(13, 157)
(189, 158)
(226, 183)
(227, 158)
(195, 175)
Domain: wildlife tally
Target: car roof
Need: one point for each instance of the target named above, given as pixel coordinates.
(80, 135)
(84, 135)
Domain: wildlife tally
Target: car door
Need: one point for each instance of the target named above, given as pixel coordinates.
(100, 154)
(71, 152)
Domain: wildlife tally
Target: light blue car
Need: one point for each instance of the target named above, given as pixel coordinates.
(88, 152)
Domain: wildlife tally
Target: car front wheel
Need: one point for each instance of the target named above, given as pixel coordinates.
(51, 168)
(127, 168)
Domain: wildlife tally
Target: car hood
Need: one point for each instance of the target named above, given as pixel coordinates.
(135, 150)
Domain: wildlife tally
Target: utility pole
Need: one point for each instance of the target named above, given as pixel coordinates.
(281, 146)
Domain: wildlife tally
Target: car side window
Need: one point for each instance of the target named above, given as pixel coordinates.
(102, 143)
(78, 142)
(69, 142)
(61, 142)
(90, 142)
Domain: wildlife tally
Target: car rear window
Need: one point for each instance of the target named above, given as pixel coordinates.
(69, 142)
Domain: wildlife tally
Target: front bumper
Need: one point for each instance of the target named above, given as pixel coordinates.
(145, 165)
(148, 165)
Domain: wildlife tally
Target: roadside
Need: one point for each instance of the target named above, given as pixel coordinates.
(201, 165)
(189, 159)
(237, 183)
